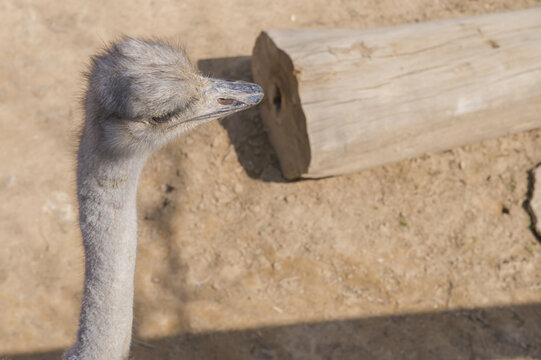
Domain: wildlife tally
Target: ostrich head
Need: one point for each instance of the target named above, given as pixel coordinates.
(142, 93)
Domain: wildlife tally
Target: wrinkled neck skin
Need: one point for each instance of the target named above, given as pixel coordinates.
(106, 189)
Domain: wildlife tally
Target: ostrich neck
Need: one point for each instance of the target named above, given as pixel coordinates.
(107, 188)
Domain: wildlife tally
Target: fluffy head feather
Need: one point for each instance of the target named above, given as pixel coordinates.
(141, 93)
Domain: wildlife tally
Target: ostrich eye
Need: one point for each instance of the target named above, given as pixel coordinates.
(168, 116)
(162, 118)
(176, 112)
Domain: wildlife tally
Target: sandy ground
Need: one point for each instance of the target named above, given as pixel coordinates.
(430, 258)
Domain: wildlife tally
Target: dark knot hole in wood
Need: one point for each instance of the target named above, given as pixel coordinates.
(277, 99)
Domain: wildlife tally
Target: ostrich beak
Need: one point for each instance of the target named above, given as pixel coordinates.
(225, 97)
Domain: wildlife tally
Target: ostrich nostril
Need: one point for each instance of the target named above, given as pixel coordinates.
(224, 101)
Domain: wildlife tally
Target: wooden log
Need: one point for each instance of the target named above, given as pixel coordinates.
(339, 101)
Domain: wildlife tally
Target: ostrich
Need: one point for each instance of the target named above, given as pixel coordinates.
(140, 95)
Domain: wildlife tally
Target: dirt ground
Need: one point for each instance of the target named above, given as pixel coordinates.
(430, 258)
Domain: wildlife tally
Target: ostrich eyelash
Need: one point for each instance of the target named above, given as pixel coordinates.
(163, 118)
(168, 116)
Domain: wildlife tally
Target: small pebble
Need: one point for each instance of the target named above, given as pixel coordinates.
(238, 188)
(216, 286)
(9, 181)
(169, 188)
(289, 198)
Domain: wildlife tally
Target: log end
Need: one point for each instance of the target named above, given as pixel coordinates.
(281, 108)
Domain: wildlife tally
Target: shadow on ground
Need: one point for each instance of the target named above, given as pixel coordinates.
(158, 209)
(480, 333)
(245, 130)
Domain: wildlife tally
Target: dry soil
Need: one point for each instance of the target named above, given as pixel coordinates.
(430, 258)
